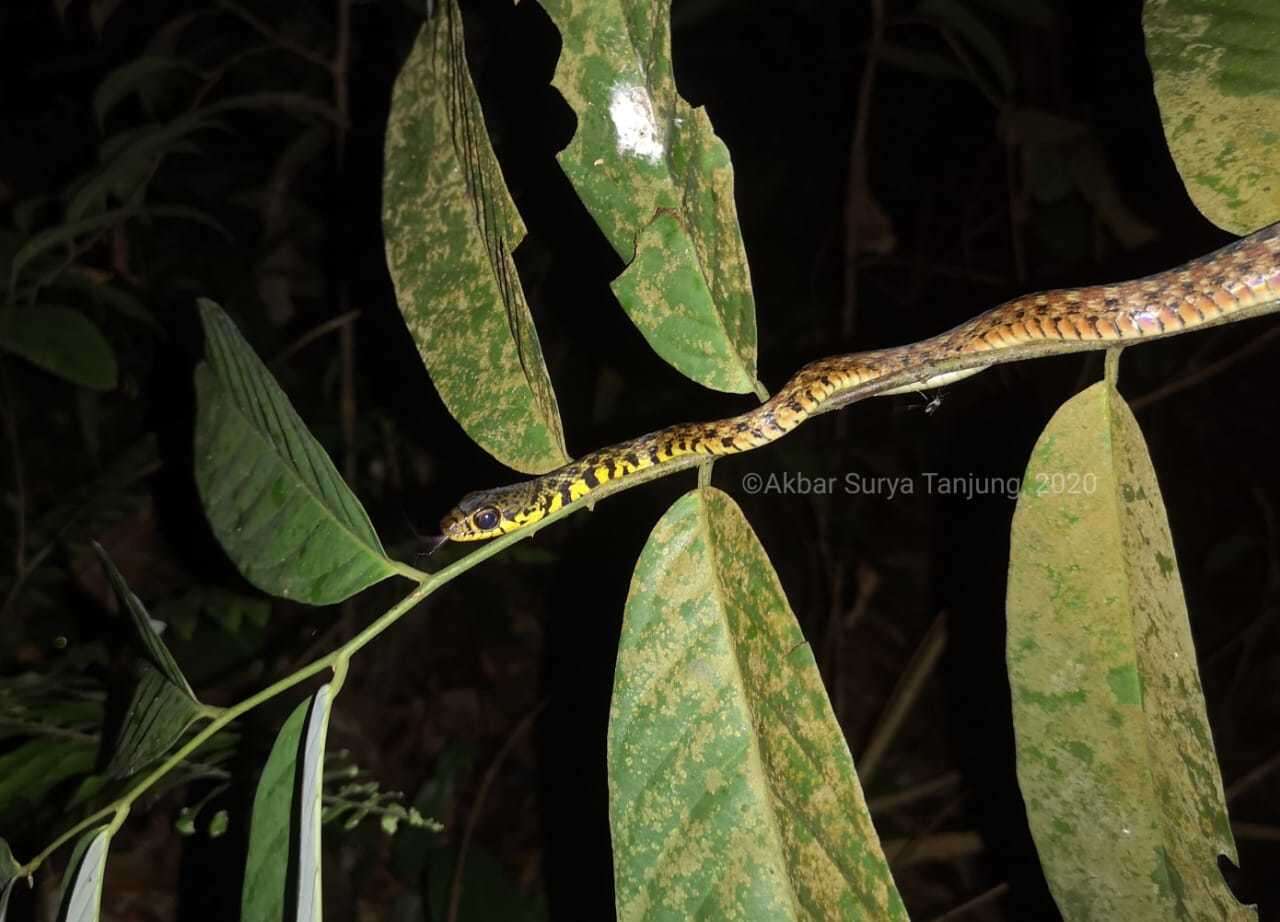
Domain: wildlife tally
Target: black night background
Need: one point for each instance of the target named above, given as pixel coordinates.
(489, 704)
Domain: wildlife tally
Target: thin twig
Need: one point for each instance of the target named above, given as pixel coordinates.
(1253, 777)
(1209, 371)
(908, 796)
(981, 899)
(311, 336)
(19, 480)
(273, 35)
(904, 696)
(857, 185)
(490, 774)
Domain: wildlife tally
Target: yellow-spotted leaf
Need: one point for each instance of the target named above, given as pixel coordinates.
(277, 504)
(1115, 756)
(451, 228)
(1216, 65)
(659, 182)
(732, 794)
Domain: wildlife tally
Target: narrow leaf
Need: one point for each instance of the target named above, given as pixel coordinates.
(82, 887)
(283, 830)
(1216, 67)
(159, 713)
(951, 14)
(9, 870)
(30, 772)
(63, 342)
(451, 228)
(61, 235)
(1115, 757)
(732, 794)
(659, 183)
(133, 77)
(274, 499)
(158, 653)
(127, 172)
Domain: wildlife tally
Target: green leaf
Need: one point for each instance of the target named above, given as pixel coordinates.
(129, 165)
(732, 794)
(158, 653)
(659, 182)
(107, 295)
(1033, 12)
(81, 897)
(1216, 65)
(61, 235)
(952, 15)
(451, 228)
(9, 870)
(31, 771)
(1115, 757)
(159, 713)
(490, 892)
(134, 77)
(274, 838)
(927, 63)
(274, 499)
(63, 342)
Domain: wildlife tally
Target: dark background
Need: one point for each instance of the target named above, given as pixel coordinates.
(488, 706)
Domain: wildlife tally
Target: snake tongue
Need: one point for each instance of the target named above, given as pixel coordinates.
(434, 543)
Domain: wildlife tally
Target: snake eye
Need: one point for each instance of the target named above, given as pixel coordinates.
(487, 519)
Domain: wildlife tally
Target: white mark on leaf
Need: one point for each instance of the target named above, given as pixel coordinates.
(634, 123)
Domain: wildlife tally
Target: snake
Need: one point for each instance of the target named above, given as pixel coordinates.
(1239, 280)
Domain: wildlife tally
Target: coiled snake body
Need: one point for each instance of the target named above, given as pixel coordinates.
(1237, 281)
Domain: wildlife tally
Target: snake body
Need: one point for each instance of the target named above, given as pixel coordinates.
(1237, 281)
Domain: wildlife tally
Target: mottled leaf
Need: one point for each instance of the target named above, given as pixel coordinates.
(658, 181)
(1115, 756)
(286, 829)
(1216, 65)
(732, 794)
(273, 497)
(63, 342)
(451, 228)
(81, 896)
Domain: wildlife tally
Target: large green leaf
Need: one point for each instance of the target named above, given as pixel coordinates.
(658, 181)
(280, 834)
(451, 228)
(81, 897)
(276, 502)
(62, 341)
(1115, 757)
(732, 794)
(1216, 65)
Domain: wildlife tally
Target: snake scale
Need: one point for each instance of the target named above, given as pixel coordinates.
(1240, 280)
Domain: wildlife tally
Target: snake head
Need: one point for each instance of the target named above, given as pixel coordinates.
(484, 514)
